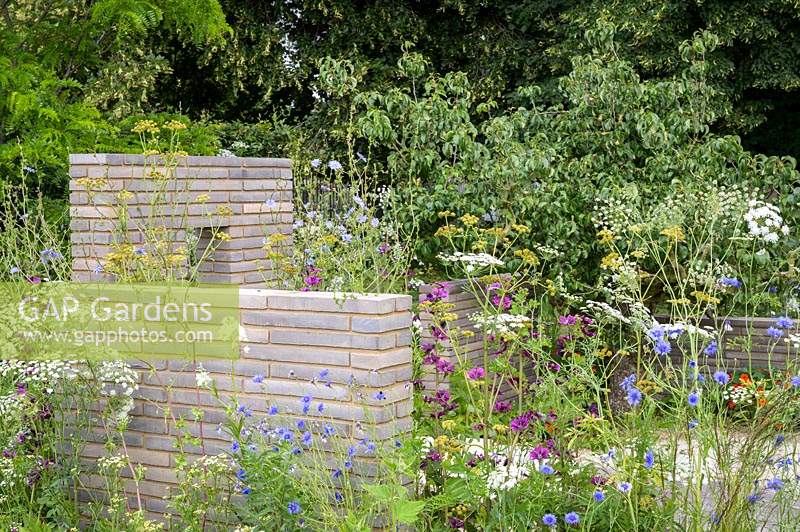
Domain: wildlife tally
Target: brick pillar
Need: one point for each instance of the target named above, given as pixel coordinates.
(248, 197)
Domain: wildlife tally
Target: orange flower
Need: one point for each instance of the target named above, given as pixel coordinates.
(744, 378)
(762, 401)
(731, 405)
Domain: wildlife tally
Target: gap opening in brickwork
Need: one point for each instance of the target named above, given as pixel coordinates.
(202, 248)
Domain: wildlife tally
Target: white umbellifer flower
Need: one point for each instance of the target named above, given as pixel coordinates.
(598, 307)
(500, 323)
(203, 378)
(764, 222)
(471, 261)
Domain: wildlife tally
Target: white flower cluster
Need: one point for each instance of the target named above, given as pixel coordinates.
(203, 378)
(471, 261)
(500, 323)
(117, 382)
(764, 221)
(741, 395)
(44, 373)
(598, 309)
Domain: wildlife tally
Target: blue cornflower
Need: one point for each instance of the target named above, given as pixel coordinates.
(546, 469)
(598, 496)
(795, 381)
(572, 518)
(624, 487)
(324, 373)
(301, 425)
(305, 399)
(338, 497)
(656, 333)
(549, 520)
(628, 382)
(258, 378)
(662, 347)
(307, 438)
(288, 435)
(693, 423)
(334, 165)
(241, 475)
(649, 460)
(293, 508)
(779, 439)
(731, 282)
(336, 473)
(351, 451)
(348, 464)
(784, 322)
(273, 410)
(380, 396)
(775, 484)
(320, 407)
(398, 444)
(244, 410)
(692, 364)
(235, 446)
(306, 407)
(774, 332)
(315, 163)
(297, 450)
(49, 254)
(721, 378)
(711, 349)
(245, 490)
(634, 396)
(754, 498)
(693, 399)
(328, 430)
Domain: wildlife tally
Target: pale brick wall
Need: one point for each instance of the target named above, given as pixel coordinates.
(363, 341)
(242, 184)
(289, 338)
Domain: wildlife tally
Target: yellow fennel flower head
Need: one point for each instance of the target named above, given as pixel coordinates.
(92, 183)
(224, 210)
(674, 232)
(604, 353)
(469, 220)
(521, 229)
(638, 253)
(479, 245)
(174, 125)
(145, 126)
(446, 214)
(124, 195)
(447, 230)
(550, 287)
(448, 424)
(202, 198)
(276, 238)
(500, 429)
(222, 236)
(612, 261)
(703, 297)
(527, 256)
(605, 236)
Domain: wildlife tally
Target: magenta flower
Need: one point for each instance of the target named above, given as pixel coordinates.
(567, 320)
(476, 373)
(540, 453)
(502, 406)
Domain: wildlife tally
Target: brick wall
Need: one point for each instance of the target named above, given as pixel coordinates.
(289, 338)
(248, 197)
